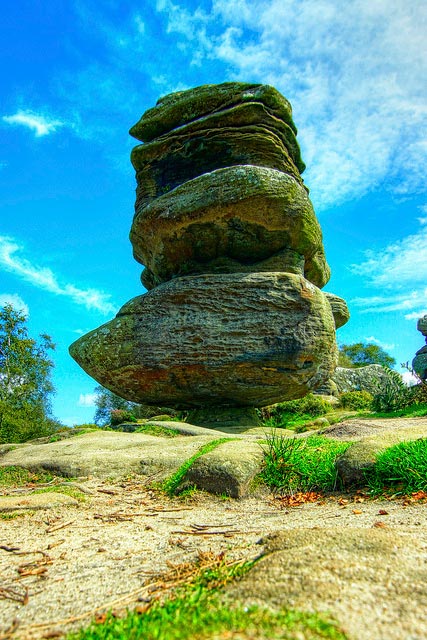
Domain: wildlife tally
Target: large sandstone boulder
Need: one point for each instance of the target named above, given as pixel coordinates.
(216, 340)
(233, 261)
(244, 213)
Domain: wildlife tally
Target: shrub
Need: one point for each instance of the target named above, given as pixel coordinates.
(356, 400)
(121, 415)
(392, 394)
(308, 407)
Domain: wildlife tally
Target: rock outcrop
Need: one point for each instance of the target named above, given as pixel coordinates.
(233, 256)
(419, 363)
(370, 378)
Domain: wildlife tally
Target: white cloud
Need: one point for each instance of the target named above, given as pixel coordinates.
(411, 301)
(87, 399)
(40, 124)
(44, 278)
(383, 345)
(16, 301)
(400, 271)
(415, 315)
(353, 72)
(409, 379)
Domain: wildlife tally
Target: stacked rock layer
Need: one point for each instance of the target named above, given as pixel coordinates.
(419, 363)
(233, 257)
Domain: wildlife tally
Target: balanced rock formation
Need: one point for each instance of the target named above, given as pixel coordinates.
(419, 363)
(233, 256)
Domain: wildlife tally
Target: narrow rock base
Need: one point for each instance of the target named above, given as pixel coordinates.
(229, 419)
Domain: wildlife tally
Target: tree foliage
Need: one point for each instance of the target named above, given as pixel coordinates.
(108, 402)
(25, 382)
(362, 354)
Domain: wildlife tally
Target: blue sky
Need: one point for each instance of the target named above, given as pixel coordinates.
(77, 74)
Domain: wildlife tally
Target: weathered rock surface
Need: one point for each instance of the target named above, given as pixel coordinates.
(236, 340)
(211, 143)
(339, 309)
(419, 363)
(422, 325)
(369, 378)
(234, 261)
(35, 502)
(361, 456)
(227, 470)
(108, 454)
(179, 108)
(244, 213)
(369, 580)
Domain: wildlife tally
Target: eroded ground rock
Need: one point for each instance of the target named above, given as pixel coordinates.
(369, 580)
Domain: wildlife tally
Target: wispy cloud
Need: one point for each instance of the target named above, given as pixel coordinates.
(411, 302)
(383, 345)
(45, 278)
(399, 270)
(87, 399)
(401, 263)
(40, 124)
(16, 301)
(352, 72)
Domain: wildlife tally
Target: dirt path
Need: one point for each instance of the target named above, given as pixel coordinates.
(64, 564)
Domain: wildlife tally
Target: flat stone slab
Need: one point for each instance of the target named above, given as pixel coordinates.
(108, 454)
(227, 470)
(371, 438)
(35, 501)
(371, 581)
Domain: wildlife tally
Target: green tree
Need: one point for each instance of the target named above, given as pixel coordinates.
(106, 402)
(361, 354)
(25, 383)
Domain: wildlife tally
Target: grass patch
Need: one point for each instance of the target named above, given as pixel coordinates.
(13, 515)
(157, 430)
(73, 492)
(171, 485)
(308, 464)
(14, 476)
(196, 610)
(402, 468)
(413, 411)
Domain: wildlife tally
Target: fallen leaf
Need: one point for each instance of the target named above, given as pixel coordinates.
(380, 525)
(142, 608)
(382, 512)
(100, 618)
(357, 512)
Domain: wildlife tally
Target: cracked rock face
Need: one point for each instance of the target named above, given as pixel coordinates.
(233, 256)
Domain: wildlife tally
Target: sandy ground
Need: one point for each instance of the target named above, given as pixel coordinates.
(63, 565)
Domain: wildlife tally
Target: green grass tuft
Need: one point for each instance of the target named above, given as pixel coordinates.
(301, 464)
(157, 430)
(14, 476)
(73, 492)
(197, 611)
(171, 485)
(402, 468)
